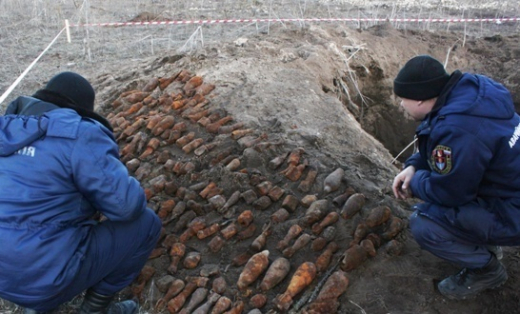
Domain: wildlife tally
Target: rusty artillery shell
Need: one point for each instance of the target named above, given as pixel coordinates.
(275, 273)
(217, 201)
(330, 219)
(165, 123)
(175, 304)
(260, 241)
(393, 247)
(318, 244)
(232, 200)
(359, 233)
(204, 121)
(169, 240)
(158, 183)
(191, 260)
(229, 231)
(209, 231)
(306, 184)
(378, 216)
(135, 97)
(245, 218)
(185, 139)
(151, 84)
(165, 81)
(152, 145)
(369, 247)
(264, 187)
(222, 305)
(221, 156)
(204, 89)
(153, 121)
(301, 279)
(353, 205)
(376, 239)
(166, 208)
(247, 232)
(205, 191)
(188, 148)
(258, 301)
(323, 261)
(292, 233)
(186, 235)
(213, 127)
(163, 157)
(233, 165)
(277, 161)
(195, 299)
(183, 221)
(219, 285)
(302, 241)
(290, 202)
(236, 134)
(241, 259)
(193, 83)
(327, 300)
(307, 200)
(254, 267)
(393, 227)
(204, 308)
(237, 308)
(157, 252)
(216, 244)
(280, 215)
(276, 193)
(195, 207)
(262, 203)
(315, 212)
(228, 159)
(340, 200)
(354, 257)
(170, 188)
(329, 233)
(175, 288)
(176, 252)
(333, 181)
(204, 149)
(226, 129)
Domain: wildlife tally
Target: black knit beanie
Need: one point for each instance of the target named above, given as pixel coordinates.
(421, 78)
(74, 87)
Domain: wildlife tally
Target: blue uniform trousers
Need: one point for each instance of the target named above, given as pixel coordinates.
(442, 243)
(116, 254)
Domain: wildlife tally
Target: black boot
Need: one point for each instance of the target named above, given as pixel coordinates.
(95, 303)
(469, 282)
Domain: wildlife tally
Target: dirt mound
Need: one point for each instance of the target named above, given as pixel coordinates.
(286, 108)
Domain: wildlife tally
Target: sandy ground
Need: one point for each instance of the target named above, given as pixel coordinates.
(326, 89)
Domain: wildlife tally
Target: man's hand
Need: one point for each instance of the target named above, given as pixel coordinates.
(401, 183)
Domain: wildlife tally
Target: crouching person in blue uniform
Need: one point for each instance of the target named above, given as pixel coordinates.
(59, 166)
(466, 172)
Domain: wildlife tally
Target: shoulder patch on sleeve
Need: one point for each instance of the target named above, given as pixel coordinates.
(441, 159)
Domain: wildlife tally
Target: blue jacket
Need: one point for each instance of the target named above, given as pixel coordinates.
(56, 171)
(468, 164)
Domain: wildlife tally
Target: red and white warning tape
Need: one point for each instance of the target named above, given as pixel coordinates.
(229, 21)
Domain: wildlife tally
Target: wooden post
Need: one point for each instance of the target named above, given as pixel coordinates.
(67, 29)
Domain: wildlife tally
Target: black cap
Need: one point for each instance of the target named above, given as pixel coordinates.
(74, 87)
(421, 78)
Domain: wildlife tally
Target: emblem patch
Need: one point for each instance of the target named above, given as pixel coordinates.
(441, 159)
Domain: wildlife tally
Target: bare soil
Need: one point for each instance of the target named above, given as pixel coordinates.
(328, 90)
